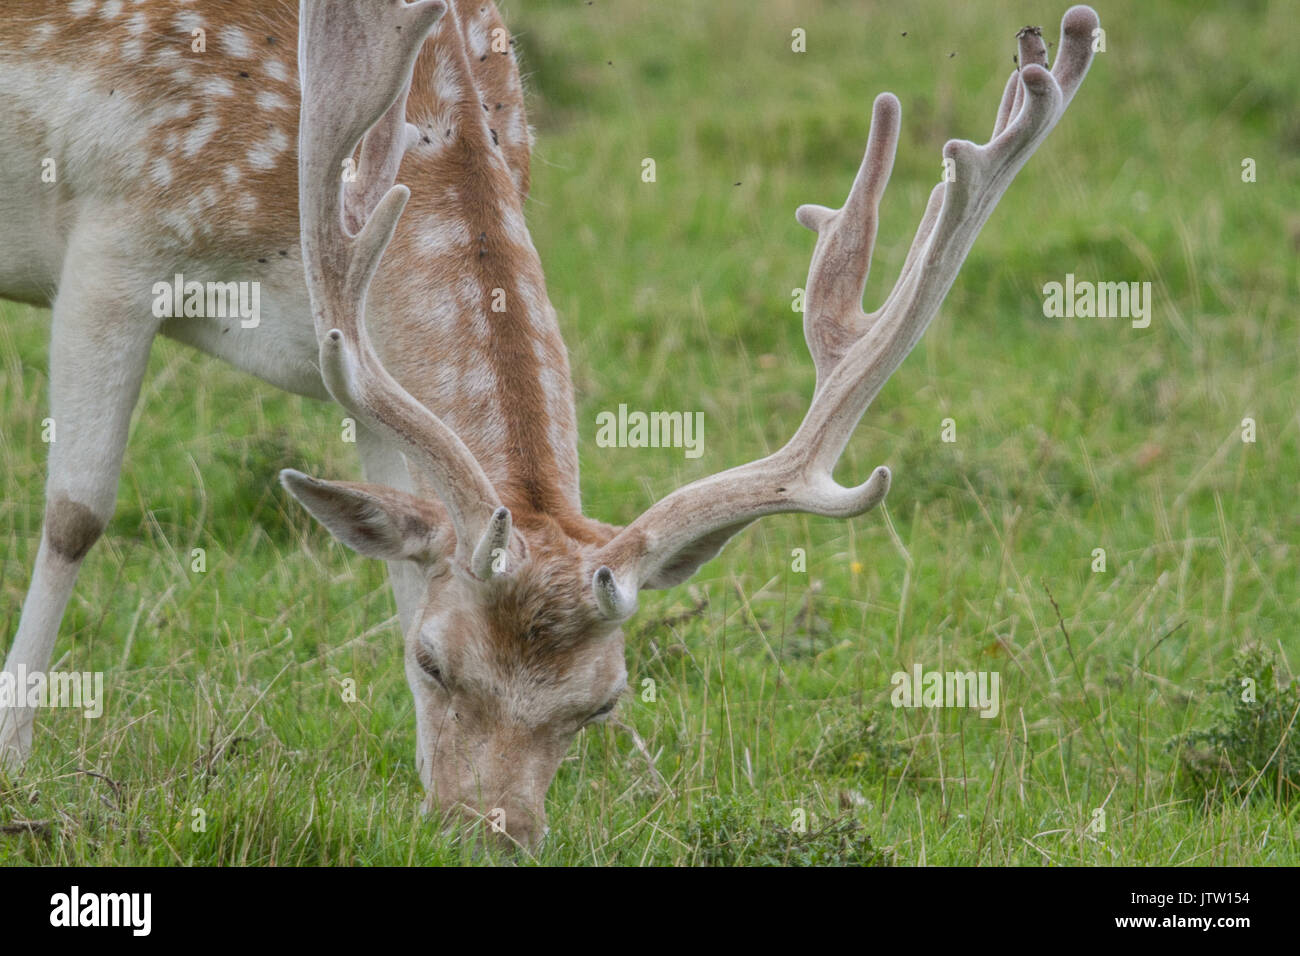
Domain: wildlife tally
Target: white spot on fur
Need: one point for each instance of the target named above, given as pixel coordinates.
(443, 234)
(160, 171)
(231, 174)
(478, 38)
(474, 301)
(197, 207)
(269, 100)
(111, 9)
(263, 155)
(534, 299)
(477, 387)
(132, 49)
(478, 382)
(216, 86)
(246, 203)
(236, 42)
(187, 21)
(179, 223)
(446, 81)
(79, 8)
(514, 131)
(559, 403)
(137, 25)
(562, 439)
(515, 228)
(171, 111)
(276, 70)
(200, 133)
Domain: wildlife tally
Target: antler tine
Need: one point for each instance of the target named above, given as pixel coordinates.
(381, 156)
(355, 62)
(855, 353)
(846, 237)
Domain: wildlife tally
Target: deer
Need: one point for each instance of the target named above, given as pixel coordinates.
(379, 295)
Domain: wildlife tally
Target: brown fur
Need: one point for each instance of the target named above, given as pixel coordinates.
(71, 528)
(526, 656)
(471, 179)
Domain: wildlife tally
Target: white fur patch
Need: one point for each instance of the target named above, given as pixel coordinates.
(515, 132)
(179, 223)
(160, 171)
(187, 21)
(216, 86)
(515, 228)
(443, 234)
(477, 383)
(276, 70)
(207, 198)
(269, 100)
(474, 301)
(236, 42)
(172, 111)
(200, 133)
(446, 81)
(478, 38)
(264, 154)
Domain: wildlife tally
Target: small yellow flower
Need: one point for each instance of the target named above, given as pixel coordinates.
(856, 567)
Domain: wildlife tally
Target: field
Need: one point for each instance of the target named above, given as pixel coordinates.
(1121, 737)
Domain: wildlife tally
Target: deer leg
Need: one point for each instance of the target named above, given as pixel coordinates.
(382, 463)
(98, 353)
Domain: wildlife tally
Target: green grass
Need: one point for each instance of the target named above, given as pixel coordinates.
(773, 687)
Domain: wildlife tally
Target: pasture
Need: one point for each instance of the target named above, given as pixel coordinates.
(263, 697)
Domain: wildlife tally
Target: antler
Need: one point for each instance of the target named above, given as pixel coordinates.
(355, 61)
(854, 353)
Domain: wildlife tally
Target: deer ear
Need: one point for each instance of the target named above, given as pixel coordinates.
(374, 520)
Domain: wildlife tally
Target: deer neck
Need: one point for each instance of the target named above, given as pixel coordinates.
(462, 320)
(465, 323)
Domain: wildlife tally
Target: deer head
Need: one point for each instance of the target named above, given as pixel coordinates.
(517, 643)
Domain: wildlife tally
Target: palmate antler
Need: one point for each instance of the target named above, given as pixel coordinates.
(355, 63)
(854, 353)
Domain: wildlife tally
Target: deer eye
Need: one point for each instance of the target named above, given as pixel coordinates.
(425, 659)
(603, 712)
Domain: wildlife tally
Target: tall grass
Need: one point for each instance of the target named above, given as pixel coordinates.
(772, 687)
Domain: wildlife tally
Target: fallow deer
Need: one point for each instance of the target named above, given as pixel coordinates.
(509, 598)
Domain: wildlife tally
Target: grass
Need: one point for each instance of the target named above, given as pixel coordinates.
(225, 688)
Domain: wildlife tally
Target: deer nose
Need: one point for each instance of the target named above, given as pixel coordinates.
(505, 825)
